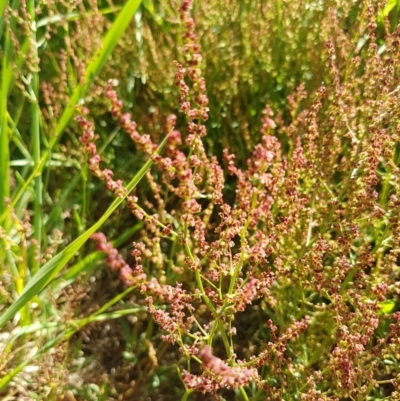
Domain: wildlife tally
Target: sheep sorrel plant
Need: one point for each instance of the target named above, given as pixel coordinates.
(258, 255)
(278, 280)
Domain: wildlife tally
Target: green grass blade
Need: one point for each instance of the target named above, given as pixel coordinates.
(94, 67)
(97, 63)
(4, 145)
(73, 16)
(18, 141)
(90, 259)
(6, 77)
(5, 380)
(57, 206)
(3, 4)
(36, 145)
(54, 266)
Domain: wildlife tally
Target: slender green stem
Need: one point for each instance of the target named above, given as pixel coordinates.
(209, 304)
(186, 394)
(243, 233)
(206, 299)
(6, 79)
(243, 393)
(3, 5)
(35, 135)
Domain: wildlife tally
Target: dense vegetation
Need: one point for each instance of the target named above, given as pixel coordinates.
(200, 200)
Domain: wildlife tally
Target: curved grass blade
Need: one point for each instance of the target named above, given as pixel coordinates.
(6, 79)
(93, 257)
(73, 16)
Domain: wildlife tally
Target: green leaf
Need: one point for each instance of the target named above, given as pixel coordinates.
(387, 306)
(149, 6)
(390, 5)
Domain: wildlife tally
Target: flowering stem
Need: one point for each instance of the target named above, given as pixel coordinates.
(203, 294)
(198, 325)
(209, 304)
(242, 244)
